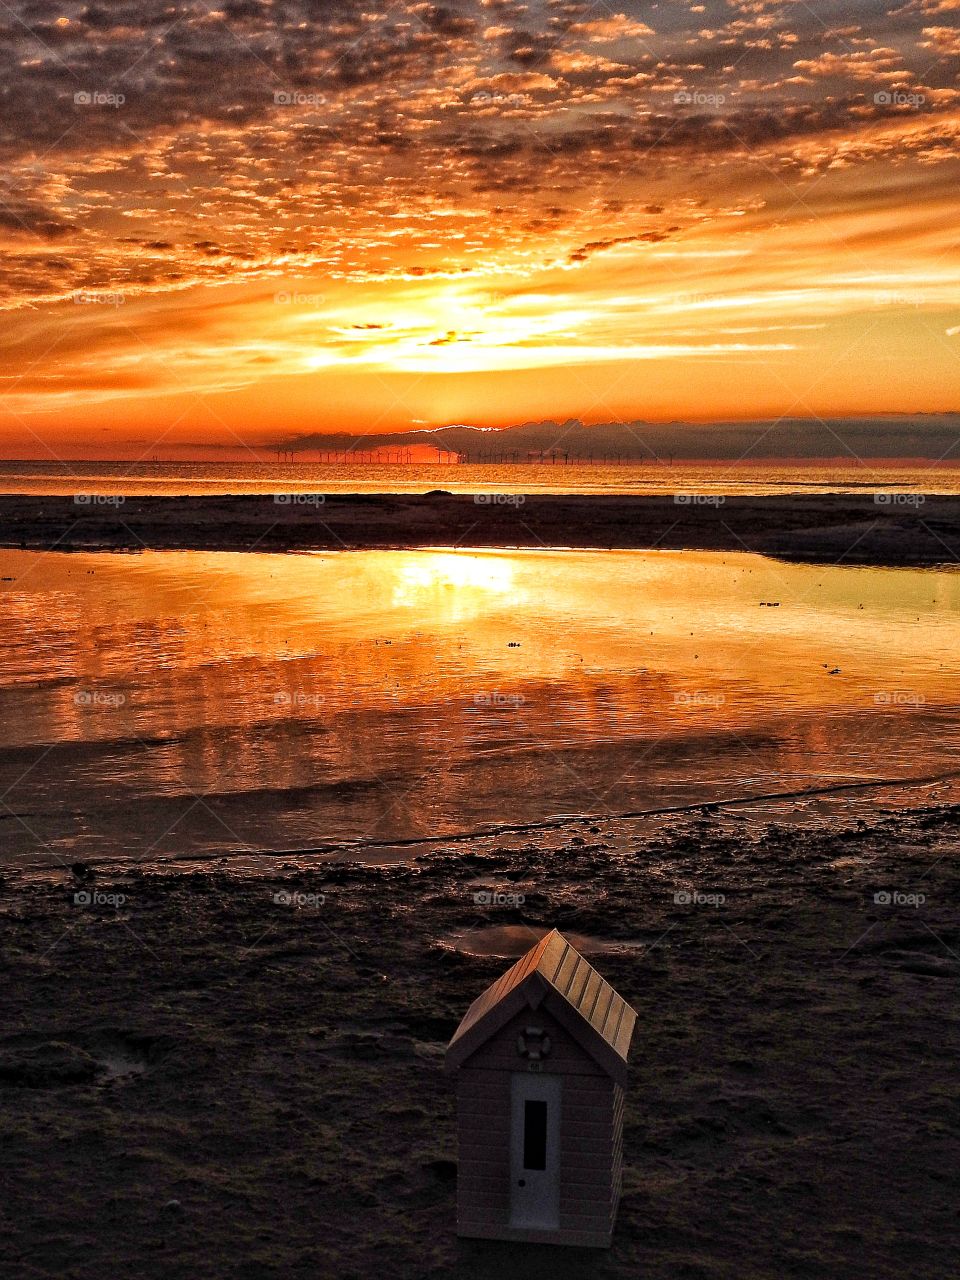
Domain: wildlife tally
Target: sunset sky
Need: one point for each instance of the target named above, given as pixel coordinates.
(224, 224)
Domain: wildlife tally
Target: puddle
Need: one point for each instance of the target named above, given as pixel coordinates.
(34, 1062)
(513, 940)
(118, 1066)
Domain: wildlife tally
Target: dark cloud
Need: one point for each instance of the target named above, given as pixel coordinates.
(309, 128)
(31, 220)
(600, 246)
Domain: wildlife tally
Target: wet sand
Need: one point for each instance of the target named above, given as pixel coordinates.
(883, 529)
(199, 1081)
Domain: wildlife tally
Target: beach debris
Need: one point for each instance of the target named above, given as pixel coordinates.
(549, 1023)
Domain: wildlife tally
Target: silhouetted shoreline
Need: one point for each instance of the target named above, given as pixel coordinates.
(875, 529)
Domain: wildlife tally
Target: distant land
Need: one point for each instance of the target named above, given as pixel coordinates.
(924, 436)
(863, 529)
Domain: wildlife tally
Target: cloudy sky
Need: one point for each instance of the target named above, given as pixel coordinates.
(221, 222)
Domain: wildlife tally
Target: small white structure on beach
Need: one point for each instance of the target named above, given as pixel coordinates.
(541, 1064)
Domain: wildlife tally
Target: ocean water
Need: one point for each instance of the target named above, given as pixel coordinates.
(189, 703)
(136, 479)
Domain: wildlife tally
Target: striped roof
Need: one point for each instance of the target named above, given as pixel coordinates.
(555, 974)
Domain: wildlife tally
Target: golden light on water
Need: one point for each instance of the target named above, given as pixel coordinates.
(454, 584)
(477, 686)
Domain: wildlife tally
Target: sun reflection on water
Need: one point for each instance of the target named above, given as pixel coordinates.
(393, 693)
(457, 581)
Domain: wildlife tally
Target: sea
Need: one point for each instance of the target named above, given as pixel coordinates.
(136, 479)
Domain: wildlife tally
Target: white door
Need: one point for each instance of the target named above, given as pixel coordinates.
(535, 1151)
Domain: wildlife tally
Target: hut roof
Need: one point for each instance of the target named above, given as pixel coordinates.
(553, 973)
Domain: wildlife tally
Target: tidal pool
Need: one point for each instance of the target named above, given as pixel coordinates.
(185, 703)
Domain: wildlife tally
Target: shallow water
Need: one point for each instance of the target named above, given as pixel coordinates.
(178, 703)
(139, 479)
(513, 940)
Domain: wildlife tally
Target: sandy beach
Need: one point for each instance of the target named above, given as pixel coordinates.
(201, 1078)
(881, 529)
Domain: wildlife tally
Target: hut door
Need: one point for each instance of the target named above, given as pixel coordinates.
(535, 1151)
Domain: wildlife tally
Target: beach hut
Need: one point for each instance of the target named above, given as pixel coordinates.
(541, 1066)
